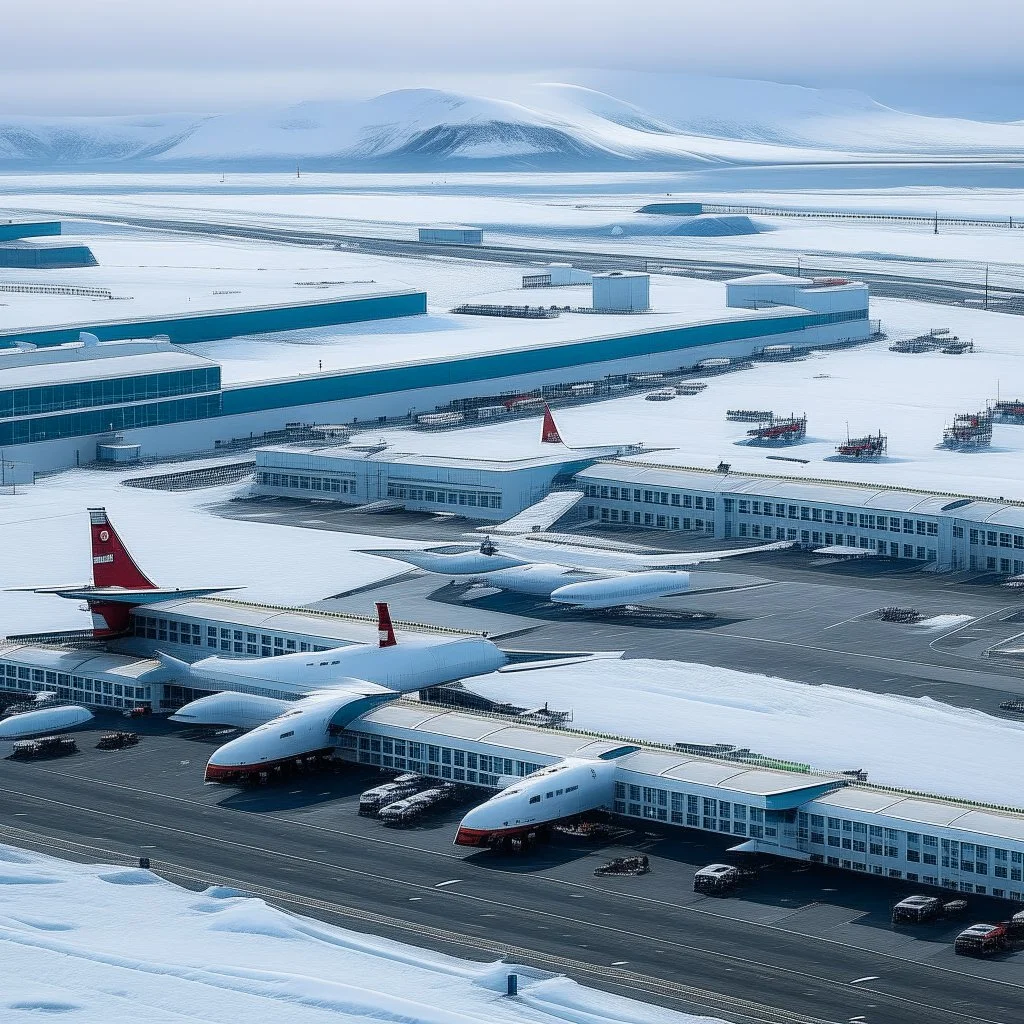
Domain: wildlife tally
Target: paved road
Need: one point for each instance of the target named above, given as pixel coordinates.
(799, 946)
(948, 283)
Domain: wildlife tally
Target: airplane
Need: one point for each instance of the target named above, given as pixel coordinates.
(118, 584)
(569, 574)
(558, 792)
(332, 688)
(421, 660)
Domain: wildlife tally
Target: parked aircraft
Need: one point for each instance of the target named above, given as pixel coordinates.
(118, 584)
(559, 792)
(566, 573)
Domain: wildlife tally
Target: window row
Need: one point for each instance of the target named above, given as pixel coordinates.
(662, 522)
(235, 641)
(83, 689)
(678, 499)
(89, 393)
(300, 482)
(474, 499)
(118, 417)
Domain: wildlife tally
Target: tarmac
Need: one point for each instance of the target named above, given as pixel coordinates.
(798, 944)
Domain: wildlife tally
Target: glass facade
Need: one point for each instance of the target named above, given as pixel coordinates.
(117, 417)
(117, 403)
(88, 394)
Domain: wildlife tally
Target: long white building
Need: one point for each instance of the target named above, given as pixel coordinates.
(759, 806)
(948, 530)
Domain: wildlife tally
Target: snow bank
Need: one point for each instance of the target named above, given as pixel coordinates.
(154, 955)
(900, 741)
(177, 539)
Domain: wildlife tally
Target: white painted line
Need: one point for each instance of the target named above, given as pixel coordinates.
(619, 963)
(870, 977)
(857, 1019)
(451, 881)
(415, 899)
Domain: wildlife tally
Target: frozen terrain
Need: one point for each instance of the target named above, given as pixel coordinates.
(909, 742)
(177, 541)
(600, 120)
(95, 943)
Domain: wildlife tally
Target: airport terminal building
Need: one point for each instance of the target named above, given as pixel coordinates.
(757, 805)
(376, 387)
(951, 532)
(478, 488)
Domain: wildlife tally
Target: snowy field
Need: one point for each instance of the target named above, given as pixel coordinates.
(911, 742)
(556, 211)
(72, 946)
(177, 541)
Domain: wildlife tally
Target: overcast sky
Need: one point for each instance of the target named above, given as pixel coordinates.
(126, 56)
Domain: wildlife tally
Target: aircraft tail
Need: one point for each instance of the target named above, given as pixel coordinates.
(112, 565)
(549, 431)
(385, 630)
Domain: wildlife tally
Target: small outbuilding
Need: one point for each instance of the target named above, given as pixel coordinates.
(622, 291)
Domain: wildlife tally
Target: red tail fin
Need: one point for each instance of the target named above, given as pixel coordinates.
(112, 565)
(385, 630)
(549, 432)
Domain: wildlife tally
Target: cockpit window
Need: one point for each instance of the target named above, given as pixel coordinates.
(535, 799)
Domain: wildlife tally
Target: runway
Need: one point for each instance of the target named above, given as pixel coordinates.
(788, 949)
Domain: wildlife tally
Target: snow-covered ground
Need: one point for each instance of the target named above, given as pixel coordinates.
(910, 742)
(910, 398)
(175, 538)
(102, 943)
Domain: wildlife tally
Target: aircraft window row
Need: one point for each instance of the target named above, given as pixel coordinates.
(302, 482)
(83, 689)
(478, 499)
(535, 799)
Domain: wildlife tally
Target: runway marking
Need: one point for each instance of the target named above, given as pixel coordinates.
(455, 894)
(451, 881)
(682, 908)
(870, 977)
(415, 899)
(619, 963)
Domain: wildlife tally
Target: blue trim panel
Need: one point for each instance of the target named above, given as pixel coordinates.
(334, 387)
(216, 325)
(29, 229)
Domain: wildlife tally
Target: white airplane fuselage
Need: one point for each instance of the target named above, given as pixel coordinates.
(564, 790)
(413, 664)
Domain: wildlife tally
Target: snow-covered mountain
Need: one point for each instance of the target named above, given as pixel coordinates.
(603, 120)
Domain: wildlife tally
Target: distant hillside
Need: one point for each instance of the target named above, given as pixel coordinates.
(604, 121)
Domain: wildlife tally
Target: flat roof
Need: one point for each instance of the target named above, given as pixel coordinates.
(867, 496)
(305, 621)
(751, 780)
(19, 369)
(928, 812)
(496, 465)
(80, 662)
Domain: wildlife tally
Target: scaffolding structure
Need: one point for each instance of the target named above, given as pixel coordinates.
(969, 430)
(749, 415)
(1009, 411)
(779, 430)
(872, 446)
(938, 339)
